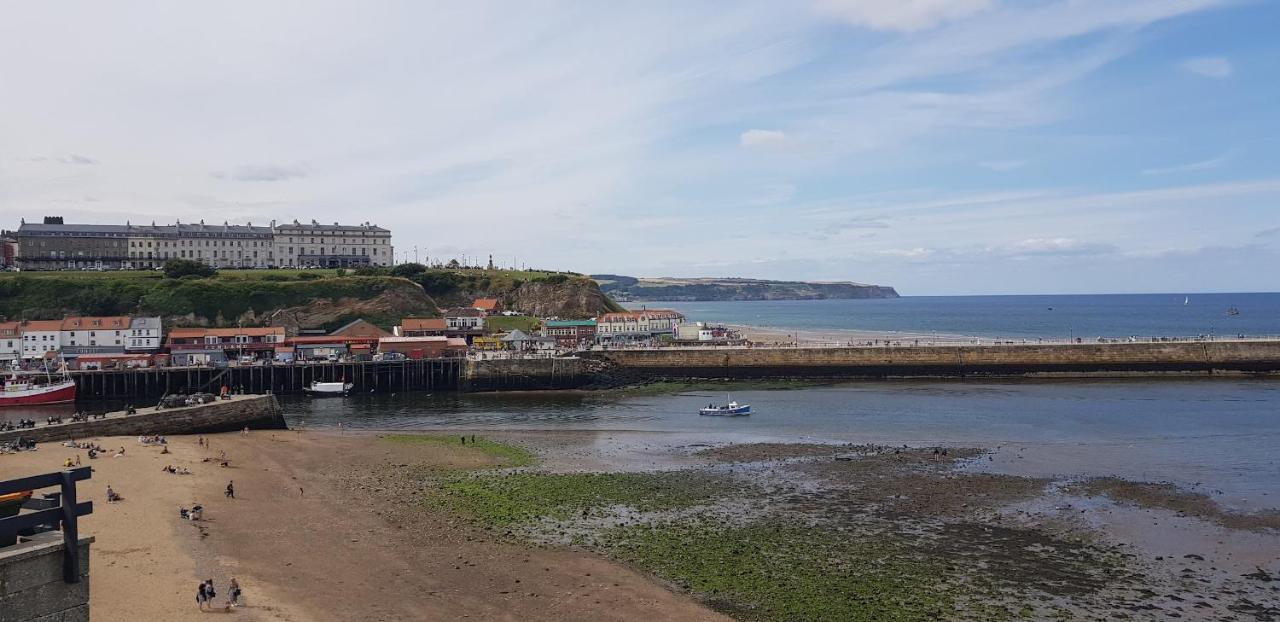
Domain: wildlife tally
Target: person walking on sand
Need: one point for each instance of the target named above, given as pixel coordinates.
(233, 593)
(202, 596)
(231, 490)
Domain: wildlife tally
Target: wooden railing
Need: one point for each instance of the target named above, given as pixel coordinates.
(64, 513)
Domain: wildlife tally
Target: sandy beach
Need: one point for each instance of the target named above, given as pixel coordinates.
(310, 536)
(628, 525)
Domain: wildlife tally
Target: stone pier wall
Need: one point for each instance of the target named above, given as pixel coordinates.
(1083, 360)
(524, 374)
(31, 583)
(254, 411)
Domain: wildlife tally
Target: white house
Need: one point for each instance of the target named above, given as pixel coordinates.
(144, 335)
(103, 333)
(10, 343)
(40, 337)
(464, 318)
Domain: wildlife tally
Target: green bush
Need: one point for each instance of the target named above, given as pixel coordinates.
(178, 268)
(408, 270)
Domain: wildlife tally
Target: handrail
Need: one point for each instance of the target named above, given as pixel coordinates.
(66, 514)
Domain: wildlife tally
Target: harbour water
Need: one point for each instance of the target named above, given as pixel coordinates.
(1018, 317)
(1215, 435)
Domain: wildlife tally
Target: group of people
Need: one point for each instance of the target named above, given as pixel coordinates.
(20, 424)
(206, 593)
(176, 470)
(195, 513)
(22, 444)
(153, 440)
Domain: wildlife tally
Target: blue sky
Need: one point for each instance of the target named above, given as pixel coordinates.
(940, 146)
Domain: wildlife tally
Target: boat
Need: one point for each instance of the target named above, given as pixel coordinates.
(1233, 311)
(328, 389)
(732, 409)
(1186, 300)
(21, 392)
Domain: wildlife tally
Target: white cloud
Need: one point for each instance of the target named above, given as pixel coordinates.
(1209, 66)
(1002, 166)
(902, 15)
(262, 172)
(76, 158)
(752, 139)
(1202, 165)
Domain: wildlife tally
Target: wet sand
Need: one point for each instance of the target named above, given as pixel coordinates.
(315, 533)
(345, 527)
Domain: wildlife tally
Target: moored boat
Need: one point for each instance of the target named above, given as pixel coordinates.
(732, 409)
(20, 392)
(328, 389)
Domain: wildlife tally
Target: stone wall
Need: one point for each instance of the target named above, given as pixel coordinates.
(31, 583)
(1118, 359)
(255, 411)
(524, 374)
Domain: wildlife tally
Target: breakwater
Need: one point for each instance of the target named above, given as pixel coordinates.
(604, 368)
(255, 411)
(1067, 360)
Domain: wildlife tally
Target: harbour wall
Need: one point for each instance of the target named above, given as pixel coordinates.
(32, 588)
(1066, 360)
(255, 411)
(526, 374)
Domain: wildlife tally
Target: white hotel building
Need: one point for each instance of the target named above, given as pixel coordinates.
(54, 245)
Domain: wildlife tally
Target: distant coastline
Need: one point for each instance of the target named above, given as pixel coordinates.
(668, 289)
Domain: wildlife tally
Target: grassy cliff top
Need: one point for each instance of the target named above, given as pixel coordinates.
(223, 299)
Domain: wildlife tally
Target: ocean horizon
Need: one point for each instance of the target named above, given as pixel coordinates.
(1016, 316)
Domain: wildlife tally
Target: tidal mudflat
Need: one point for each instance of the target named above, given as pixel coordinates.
(781, 531)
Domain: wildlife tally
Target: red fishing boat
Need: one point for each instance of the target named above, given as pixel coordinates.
(23, 392)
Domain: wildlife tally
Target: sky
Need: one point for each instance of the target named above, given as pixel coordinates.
(938, 146)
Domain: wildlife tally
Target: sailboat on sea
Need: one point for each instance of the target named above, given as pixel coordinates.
(1186, 300)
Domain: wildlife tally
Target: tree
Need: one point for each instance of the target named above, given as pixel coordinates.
(178, 268)
(408, 270)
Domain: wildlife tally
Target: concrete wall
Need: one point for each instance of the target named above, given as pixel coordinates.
(255, 411)
(524, 374)
(31, 584)
(938, 361)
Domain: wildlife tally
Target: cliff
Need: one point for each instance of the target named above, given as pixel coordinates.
(295, 298)
(537, 293)
(247, 297)
(674, 289)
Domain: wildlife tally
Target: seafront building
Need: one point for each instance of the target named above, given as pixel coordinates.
(54, 245)
(10, 343)
(639, 325)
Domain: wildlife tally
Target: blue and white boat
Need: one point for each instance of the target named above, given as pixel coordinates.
(732, 409)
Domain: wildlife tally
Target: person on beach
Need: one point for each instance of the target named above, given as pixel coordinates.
(209, 592)
(202, 596)
(233, 593)
(231, 490)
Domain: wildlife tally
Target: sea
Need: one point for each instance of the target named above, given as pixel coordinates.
(1116, 316)
(1220, 436)
(1215, 435)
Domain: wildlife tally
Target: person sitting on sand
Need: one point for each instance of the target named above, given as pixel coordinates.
(165, 450)
(112, 497)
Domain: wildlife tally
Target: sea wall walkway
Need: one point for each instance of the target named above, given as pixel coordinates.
(1234, 357)
(254, 411)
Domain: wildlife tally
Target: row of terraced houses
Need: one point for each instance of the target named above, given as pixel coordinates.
(122, 341)
(54, 245)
